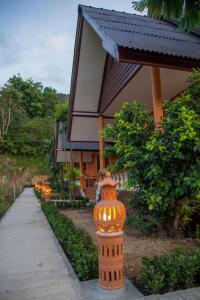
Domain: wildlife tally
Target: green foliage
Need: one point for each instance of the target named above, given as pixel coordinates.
(29, 137)
(165, 273)
(75, 242)
(38, 194)
(61, 112)
(29, 112)
(133, 128)
(188, 12)
(81, 201)
(37, 101)
(164, 163)
(10, 108)
(24, 168)
(66, 203)
(6, 199)
(145, 225)
(71, 174)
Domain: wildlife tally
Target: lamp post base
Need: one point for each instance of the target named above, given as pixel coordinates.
(111, 266)
(94, 292)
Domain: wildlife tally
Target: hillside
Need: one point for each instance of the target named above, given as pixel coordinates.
(18, 170)
(28, 112)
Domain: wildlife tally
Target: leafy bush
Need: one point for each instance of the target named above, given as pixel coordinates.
(76, 243)
(145, 225)
(83, 200)
(64, 195)
(165, 273)
(38, 194)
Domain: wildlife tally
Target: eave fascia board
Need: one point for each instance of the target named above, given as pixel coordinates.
(76, 56)
(107, 42)
(127, 55)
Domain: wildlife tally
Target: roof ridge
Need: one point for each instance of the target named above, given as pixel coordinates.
(147, 19)
(117, 11)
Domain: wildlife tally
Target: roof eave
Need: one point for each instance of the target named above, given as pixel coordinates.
(107, 42)
(75, 69)
(130, 55)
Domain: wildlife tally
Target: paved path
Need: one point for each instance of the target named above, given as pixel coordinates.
(32, 263)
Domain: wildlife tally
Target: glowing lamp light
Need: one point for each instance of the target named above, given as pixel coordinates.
(39, 186)
(109, 216)
(47, 190)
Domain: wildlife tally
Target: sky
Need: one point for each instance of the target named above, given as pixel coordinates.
(37, 38)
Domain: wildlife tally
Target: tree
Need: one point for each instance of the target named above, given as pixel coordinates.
(31, 94)
(61, 112)
(37, 101)
(10, 108)
(186, 11)
(163, 164)
(30, 137)
(50, 100)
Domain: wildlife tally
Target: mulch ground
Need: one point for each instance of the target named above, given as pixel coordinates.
(137, 245)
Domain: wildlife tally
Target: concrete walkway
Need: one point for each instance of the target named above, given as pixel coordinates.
(32, 263)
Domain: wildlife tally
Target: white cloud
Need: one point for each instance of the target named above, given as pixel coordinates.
(37, 38)
(61, 43)
(45, 57)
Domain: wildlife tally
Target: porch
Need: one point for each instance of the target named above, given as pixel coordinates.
(148, 63)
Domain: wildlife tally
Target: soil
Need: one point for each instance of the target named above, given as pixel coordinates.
(137, 245)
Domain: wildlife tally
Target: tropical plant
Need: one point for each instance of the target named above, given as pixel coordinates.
(186, 11)
(72, 175)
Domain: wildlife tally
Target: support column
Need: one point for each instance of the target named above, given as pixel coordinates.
(101, 143)
(71, 159)
(81, 170)
(157, 95)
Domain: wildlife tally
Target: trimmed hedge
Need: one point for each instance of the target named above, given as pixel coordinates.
(37, 194)
(76, 243)
(71, 204)
(165, 273)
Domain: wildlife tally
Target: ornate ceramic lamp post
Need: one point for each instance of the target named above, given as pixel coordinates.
(47, 191)
(109, 216)
(39, 187)
(43, 188)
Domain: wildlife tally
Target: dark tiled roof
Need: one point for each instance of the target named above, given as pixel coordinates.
(64, 144)
(140, 33)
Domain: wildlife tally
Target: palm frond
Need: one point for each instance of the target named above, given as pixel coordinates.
(187, 11)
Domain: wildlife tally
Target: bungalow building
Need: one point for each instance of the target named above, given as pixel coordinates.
(125, 57)
(82, 155)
